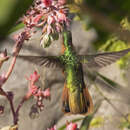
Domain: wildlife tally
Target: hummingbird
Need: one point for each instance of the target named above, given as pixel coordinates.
(75, 96)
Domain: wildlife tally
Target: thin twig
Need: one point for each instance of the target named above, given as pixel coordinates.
(10, 101)
(19, 106)
(113, 106)
(13, 110)
(17, 47)
(10, 68)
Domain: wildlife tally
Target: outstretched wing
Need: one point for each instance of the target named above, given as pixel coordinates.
(102, 59)
(48, 61)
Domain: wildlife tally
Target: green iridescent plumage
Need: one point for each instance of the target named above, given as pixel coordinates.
(75, 97)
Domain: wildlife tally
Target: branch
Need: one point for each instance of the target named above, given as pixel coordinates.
(113, 106)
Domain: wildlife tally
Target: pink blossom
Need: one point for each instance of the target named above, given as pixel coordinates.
(37, 18)
(47, 3)
(39, 93)
(28, 21)
(58, 27)
(34, 77)
(72, 126)
(62, 2)
(46, 14)
(32, 91)
(43, 94)
(15, 37)
(21, 37)
(46, 93)
(61, 16)
(53, 128)
(49, 29)
(50, 20)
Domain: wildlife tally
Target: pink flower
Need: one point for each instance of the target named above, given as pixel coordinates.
(50, 20)
(37, 18)
(32, 91)
(53, 128)
(58, 27)
(39, 93)
(61, 16)
(36, 91)
(47, 3)
(62, 2)
(34, 77)
(49, 29)
(46, 14)
(72, 126)
(46, 93)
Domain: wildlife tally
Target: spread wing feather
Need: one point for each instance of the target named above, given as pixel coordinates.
(102, 59)
(48, 61)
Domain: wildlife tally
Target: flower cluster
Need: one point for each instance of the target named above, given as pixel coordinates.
(20, 38)
(37, 92)
(71, 126)
(51, 15)
(53, 128)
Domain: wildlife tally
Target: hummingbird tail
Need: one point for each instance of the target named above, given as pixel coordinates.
(88, 100)
(70, 107)
(65, 100)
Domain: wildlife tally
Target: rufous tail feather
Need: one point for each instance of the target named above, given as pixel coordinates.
(86, 99)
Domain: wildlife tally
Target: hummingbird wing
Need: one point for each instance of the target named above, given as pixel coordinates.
(102, 59)
(47, 61)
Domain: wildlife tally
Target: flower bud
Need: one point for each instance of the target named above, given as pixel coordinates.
(46, 40)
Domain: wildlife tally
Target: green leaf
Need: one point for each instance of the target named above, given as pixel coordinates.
(17, 27)
(125, 124)
(107, 80)
(87, 120)
(97, 121)
(74, 8)
(125, 24)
